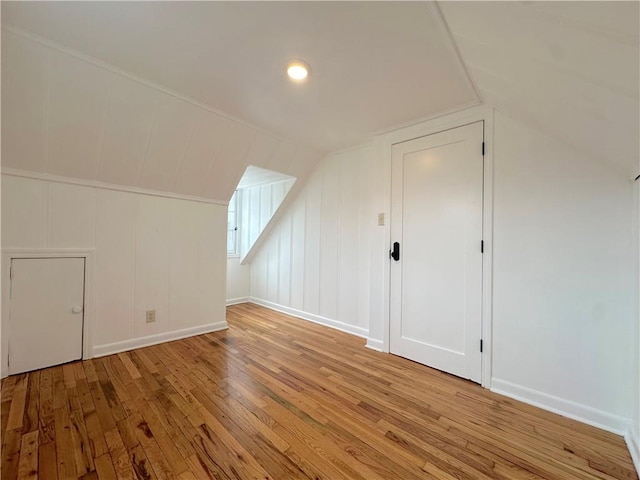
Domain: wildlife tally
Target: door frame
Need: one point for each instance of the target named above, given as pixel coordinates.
(89, 300)
(383, 146)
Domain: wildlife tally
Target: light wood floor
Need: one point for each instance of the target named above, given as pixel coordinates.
(279, 398)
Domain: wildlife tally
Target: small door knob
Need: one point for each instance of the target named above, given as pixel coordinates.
(76, 309)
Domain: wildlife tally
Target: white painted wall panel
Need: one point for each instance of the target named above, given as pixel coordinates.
(115, 266)
(153, 217)
(261, 150)
(172, 129)
(231, 162)
(297, 253)
(152, 253)
(563, 297)
(24, 102)
(258, 204)
(77, 108)
(184, 253)
(264, 202)
(367, 215)
(251, 209)
(24, 213)
(273, 267)
(213, 263)
(202, 153)
(312, 245)
(330, 230)
(132, 108)
(283, 157)
(283, 295)
(72, 213)
(320, 248)
(238, 280)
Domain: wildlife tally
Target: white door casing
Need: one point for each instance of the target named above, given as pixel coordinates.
(436, 216)
(46, 312)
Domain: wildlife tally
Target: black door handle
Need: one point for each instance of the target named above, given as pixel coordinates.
(395, 253)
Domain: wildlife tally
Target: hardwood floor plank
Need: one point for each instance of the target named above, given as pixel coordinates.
(47, 462)
(104, 467)
(278, 398)
(19, 398)
(28, 465)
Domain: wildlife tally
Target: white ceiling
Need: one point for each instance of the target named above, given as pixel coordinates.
(374, 64)
(144, 94)
(254, 176)
(571, 69)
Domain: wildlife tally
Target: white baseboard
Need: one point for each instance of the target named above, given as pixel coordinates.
(235, 301)
(327, 322)
(566, 408)
(633, 444)
(375, 344)
(117, 347)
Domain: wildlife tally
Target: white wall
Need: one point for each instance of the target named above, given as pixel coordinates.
(151, 253)
(563, 299)
(315, 263)
(633, 435)
(238, 281)
(257, 205)
(564, 304)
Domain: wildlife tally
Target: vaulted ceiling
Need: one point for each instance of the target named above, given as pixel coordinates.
(182, 96)
(570, 69)
(374, 64)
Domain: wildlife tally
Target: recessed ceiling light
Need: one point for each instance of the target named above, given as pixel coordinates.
(298, 70)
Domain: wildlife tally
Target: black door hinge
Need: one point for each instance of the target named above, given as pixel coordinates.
(483, 149)
(480, 345)
(481, 246)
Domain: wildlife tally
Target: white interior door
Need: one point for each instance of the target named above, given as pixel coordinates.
(46, 312)
(436, 217)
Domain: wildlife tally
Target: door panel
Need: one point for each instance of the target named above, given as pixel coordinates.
(46, 312)
(436, 285)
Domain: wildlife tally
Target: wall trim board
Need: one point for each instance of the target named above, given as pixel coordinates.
(633, 444)
(384, 145)
(375, 344)
(89, 294)
(567, 408)
(117, 347)
(46, 177)
(327, 322)
(236, 301)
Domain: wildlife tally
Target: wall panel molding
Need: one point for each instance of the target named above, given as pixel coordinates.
(47, 177)
(117, 347)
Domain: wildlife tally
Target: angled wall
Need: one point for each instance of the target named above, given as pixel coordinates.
(69, 115)
(315, 262)
(151, 253)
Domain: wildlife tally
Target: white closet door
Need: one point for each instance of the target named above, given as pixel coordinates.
(436, 217)
(46, 312)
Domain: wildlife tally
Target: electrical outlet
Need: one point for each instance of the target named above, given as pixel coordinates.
(381, 219)
(151, 316)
